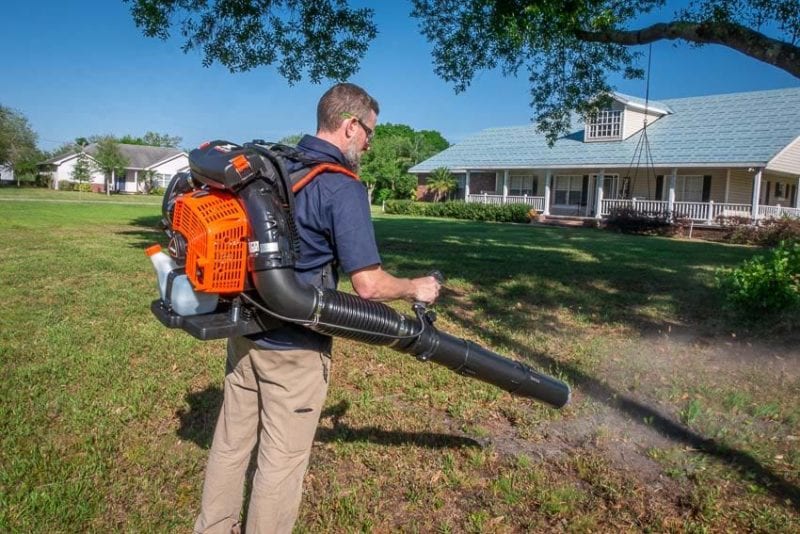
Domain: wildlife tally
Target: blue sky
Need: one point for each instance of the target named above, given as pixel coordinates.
(78, 68)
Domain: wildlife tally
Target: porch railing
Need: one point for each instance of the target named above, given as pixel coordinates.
(697, 211)
(774, 212)
(536, 203)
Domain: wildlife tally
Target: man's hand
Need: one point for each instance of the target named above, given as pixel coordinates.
(426, 289)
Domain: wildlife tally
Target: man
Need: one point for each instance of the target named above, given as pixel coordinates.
(276, 382)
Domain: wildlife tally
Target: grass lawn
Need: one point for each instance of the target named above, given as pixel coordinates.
(681, 420)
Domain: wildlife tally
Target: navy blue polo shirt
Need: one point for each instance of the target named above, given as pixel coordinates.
(333, 220)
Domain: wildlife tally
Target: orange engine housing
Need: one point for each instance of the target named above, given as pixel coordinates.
(216, 230)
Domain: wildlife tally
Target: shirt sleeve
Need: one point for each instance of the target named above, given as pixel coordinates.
(353, 234)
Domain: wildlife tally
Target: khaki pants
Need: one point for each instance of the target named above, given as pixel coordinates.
(272, 399)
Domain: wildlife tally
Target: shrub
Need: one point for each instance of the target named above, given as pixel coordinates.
(156, 190)
(461, 210)
(631, 221)
(767, 232)
(84, 187)
(765, 283)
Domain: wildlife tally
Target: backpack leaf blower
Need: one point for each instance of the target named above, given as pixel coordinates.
(232, 235)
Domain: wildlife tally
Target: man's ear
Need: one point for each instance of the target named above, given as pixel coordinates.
(349, 128)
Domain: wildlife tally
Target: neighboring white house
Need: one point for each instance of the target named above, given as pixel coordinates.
(711, 156)
(144, 162)
(6, 174)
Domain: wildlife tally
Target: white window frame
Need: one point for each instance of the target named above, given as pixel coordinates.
(162, 179)
(522, 184)
(570, 189)
(604, 125)
(616, 185)
(683, 193)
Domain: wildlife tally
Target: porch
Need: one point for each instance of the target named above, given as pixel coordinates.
(702, 195)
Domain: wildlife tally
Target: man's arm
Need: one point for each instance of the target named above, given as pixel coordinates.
(373, 283)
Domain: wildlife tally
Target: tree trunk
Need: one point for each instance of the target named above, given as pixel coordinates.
(749, 42)
(108, 189)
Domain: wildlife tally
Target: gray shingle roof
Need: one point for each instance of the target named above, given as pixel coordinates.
(746, 128)
(138, 156)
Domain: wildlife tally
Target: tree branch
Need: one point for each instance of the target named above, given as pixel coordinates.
(749, 42)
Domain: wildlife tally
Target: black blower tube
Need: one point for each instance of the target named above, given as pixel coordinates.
(349, 316)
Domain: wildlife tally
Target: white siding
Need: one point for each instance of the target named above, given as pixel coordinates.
(788, 160)
(741, 189)
(6, 174)
(133, 184)
(174, 165)
(64, 172)
(633, 121)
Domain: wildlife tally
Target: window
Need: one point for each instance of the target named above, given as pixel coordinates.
(522, 184)
(162, 180)
(611, 185)
(689, 189)
(604, 125)
(569, 190)
(781, 190)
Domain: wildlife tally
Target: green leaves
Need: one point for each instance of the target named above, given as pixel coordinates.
(17, 139)
(395, 149)
(768, 284)
(314, 38)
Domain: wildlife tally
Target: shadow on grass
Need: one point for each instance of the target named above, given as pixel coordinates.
(148, 232)
(197, 426)
(646, 283)
(743, 462)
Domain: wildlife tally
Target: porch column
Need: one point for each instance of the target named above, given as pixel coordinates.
(466, 187)
(135, 181)
(797, 194)
(756, 194)
(727, 186)
(548, 177)
(505, 185)
(598, 194)
(673, 178)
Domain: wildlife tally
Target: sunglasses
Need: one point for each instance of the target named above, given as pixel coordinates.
(367, 130)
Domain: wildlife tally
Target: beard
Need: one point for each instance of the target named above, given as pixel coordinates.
(353, 156)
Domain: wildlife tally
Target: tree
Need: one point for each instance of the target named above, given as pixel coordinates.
(110, 160)
(17, 143)
(568, 48)
(82, 171)
(151, 139)
(394, 149)
(323, 38)
(290, 140)
(441, 182)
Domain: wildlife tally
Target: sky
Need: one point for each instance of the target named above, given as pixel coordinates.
(79, 68)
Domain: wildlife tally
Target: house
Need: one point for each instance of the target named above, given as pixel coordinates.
(710, 156)
(6, 174)
(145, 163)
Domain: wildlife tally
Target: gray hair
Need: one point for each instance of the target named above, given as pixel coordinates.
(341, 101)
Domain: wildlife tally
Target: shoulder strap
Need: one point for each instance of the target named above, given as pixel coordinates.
(299, 182)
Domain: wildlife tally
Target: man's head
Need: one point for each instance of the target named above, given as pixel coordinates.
(346, 118)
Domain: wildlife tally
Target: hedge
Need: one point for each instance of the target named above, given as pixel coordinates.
(461, 210)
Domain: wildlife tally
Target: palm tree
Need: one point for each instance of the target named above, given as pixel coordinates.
(441, 182)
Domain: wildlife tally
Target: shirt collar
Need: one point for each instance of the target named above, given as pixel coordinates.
(321, 149)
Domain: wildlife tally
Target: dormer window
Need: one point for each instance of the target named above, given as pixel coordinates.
(604, 126)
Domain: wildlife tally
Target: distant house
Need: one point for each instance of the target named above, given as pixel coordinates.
(732, 154)
(144, 162)
(6, 174)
